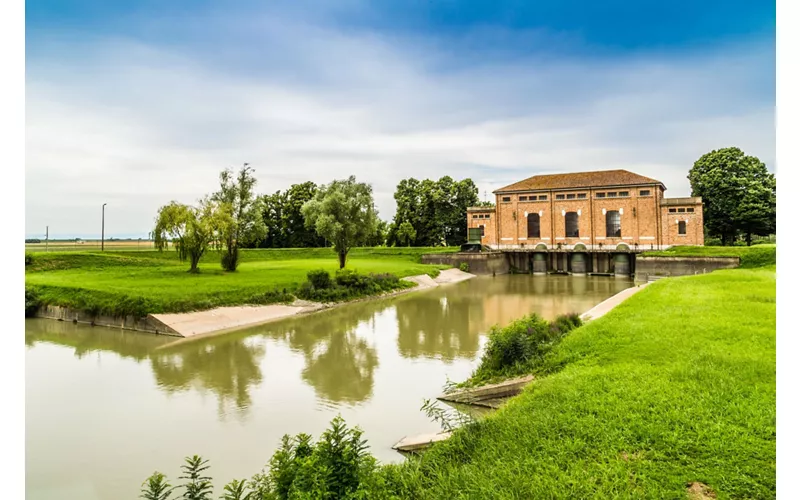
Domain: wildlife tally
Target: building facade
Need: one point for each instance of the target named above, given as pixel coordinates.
(598, 210)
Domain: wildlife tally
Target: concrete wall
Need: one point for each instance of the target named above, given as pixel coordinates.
(680, 266)
(147, 324)
(479, 263)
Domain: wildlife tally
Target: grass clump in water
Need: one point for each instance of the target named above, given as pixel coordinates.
(521, 346)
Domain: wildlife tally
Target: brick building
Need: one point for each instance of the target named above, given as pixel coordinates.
(599, 210)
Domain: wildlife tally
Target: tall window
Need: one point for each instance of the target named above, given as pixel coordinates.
(533, 226)
(483, 228)
(682, 227)
(571, 222)
(613, 227)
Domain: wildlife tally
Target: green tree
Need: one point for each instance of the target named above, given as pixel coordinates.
(191, 230)
(378, 238)
(343, 212)
(293, 226)
(406, 233)
(739, 194)
(437, 210)
(244, 221)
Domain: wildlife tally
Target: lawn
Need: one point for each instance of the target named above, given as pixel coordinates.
(152, 282)
(674, 386)
(750, 257)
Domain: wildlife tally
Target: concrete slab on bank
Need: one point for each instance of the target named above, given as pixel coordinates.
(610, 303)
(225, 319)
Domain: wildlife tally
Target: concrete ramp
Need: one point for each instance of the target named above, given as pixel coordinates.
(226, 318)
(420, 442)
(491, 395)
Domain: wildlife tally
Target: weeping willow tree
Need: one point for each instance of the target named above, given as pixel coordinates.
(191, 230)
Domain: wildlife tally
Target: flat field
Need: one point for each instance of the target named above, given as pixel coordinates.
(121, 282)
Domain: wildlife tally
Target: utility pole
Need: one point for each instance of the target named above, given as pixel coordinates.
(103, 230)
(46, 237)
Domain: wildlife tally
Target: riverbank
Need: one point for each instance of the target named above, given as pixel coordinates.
(141, 283)
(226, 319)
(674, 386)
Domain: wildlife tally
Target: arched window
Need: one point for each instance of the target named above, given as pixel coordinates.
(613, 226)
(571, 223)
(533, 226)
(682, 227)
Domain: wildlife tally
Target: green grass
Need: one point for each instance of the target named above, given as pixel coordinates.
(750, 257)
(153, 282)
(675, 385)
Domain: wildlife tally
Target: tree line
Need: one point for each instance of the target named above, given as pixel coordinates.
(340, 214)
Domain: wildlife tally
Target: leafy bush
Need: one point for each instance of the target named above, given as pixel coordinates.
(319, 279)
(713, 242)
(521, 346)
(338, 466)
(350, 285)
(32, 301)
(28, 259)
(464, 267)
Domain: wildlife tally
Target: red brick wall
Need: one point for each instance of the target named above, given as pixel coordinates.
(694, 225)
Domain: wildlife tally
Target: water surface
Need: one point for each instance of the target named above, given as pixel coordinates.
(106, 408)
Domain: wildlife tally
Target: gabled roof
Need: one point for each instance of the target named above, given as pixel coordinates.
(598, 178)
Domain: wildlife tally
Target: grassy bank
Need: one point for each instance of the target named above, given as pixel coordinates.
(153, 282)
(675, 385)
(750, 257)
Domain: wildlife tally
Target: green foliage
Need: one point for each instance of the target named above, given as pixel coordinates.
(446, 416)
(521, 346)
(156, 487)
(284, 220)
(436, 210)
(32, 301)
(406, 233)
(739, 194)
(138, 283)
(237, 490)
(349, 284)
(749, 257)
(320, 279)
(343, 212)
(338, 466)
(197, 486)
(243, 223)
(464, 266)
(191, 230)
(28, 259)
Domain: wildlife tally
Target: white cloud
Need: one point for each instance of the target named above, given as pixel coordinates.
(136, 125)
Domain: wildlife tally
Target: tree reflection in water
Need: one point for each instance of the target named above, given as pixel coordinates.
(340, 363)
(227, 365)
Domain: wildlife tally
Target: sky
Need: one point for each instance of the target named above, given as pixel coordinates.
(136, 104)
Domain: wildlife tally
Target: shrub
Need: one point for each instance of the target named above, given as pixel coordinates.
(464, 267)
(28, 259)
(32, 302)
(319, 279)
(521, 346)
(349, 285)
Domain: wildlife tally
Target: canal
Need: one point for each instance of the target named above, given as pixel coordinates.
(106, 408)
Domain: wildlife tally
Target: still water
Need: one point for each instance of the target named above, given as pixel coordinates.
(106, 408)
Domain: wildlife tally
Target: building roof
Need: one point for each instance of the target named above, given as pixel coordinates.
(598, 178)
(481, 209)
(692, 200)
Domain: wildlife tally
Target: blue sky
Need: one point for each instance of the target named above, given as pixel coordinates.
(139, 103)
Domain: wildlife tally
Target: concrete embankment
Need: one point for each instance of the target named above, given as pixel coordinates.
(610, 303)
(226, 319)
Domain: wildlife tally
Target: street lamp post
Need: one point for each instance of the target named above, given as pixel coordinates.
(103, 230)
